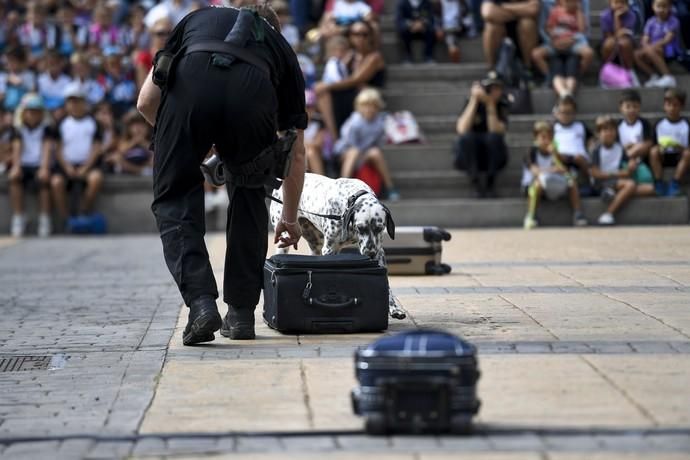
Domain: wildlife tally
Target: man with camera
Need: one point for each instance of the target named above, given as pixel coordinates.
(226, 77)
(480, 147)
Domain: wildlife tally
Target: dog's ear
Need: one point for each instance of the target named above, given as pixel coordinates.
(348, 218)
(390, 225)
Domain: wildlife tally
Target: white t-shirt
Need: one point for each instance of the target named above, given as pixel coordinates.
(32, 144)
(635, 133)
(450, 10)
(669, 134)
(53, 90)
(334, 70)
(571, 139)
(608, 159)
(78, 136)
(346, 13)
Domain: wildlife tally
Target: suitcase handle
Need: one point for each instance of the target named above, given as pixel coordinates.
(325, 303)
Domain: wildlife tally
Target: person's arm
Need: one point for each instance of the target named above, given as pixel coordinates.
(364, 72)
(494, 123)
(581, 21)
(287, 231)
(149, 99)
(16, 147)
(94, 155)
(466, 119)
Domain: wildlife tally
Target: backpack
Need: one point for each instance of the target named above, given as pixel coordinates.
(511, 71)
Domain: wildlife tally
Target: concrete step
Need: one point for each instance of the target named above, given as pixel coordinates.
(445, 124)
(449, 183)
(440, 99)
(509, 212)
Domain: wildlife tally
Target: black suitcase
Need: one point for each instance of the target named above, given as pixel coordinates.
(416, 251)
(320, 294)
(420, 381)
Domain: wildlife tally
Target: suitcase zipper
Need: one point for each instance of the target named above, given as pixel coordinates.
(307, 289)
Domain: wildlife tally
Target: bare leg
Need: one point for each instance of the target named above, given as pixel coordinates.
(539, 56)
(644, 190)
(347, 169)
(626, 52)
(314, 159)
(527, 37)
(641, 62)
(44, 198)
(626, 190)
(57, 185)
(375, 156)
(324, 102)
(586, 57)
(683, 164)
(657, 60)
(559, 85)
(17, 196)
(94, 182)
(607, 48)
(571, 85)
(491, 39)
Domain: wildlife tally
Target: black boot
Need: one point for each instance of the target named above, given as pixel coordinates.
(238, 324)
(204, 320)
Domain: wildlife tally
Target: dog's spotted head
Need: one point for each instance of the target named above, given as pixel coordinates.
(366, 224)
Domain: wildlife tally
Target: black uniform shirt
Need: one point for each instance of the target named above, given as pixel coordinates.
(215, 23)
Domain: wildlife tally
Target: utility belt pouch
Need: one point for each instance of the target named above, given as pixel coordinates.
(282, 150)
(162, 66)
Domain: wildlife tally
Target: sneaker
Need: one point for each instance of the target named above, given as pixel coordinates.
(529, 222)
(608, 194)
(667, 81)
(651, 83)
(606, 219)
(45, 226)
(454, 54)
(660, 187)
(673, 189)
(579, 219)
(18, 225)
(393, 195)
(238, 324)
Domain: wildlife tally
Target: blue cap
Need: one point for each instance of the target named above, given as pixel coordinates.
(33, 101)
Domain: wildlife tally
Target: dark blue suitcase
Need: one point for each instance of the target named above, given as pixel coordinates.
(420, 381)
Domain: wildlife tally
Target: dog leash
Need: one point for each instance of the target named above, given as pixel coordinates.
(350, 203)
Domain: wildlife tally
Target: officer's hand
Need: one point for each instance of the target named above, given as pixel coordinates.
(287, 234)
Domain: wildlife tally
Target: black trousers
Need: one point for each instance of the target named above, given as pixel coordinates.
(428, 36)
(235, 109)
(481, 152)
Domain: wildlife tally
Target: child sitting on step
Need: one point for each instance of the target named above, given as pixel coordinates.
(672, 139)
(617, 177)
(550, 178)
(361, 138)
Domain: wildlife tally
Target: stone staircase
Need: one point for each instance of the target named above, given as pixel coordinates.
(433, 193)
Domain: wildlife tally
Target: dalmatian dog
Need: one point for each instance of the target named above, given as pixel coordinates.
(361, 220)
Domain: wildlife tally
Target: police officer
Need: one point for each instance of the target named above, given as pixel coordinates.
(212, 97)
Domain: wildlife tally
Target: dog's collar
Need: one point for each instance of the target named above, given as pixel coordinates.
(347, 215)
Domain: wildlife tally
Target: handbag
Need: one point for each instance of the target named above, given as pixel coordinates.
(401, 127)
(614, 76)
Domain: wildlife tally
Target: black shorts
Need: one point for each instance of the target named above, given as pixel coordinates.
(70, 183)
(30, 177)
(671, 159)
(565, 65)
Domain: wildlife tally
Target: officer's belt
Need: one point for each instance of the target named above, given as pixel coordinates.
(219, 46)
(255, 171)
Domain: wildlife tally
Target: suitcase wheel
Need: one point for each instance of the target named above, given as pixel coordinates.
(437, 269)
(375, 424)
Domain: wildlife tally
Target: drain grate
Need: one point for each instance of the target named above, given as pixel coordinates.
(25, 363)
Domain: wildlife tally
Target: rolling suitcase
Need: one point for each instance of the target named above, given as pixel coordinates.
(321, 294)
(420, 381)
(416, 251)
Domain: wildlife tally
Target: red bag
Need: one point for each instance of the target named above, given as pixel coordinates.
(371, 177)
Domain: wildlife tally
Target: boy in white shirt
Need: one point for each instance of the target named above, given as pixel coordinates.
(672, 144)
(571, 136)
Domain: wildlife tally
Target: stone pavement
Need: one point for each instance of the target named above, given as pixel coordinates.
(583, 334)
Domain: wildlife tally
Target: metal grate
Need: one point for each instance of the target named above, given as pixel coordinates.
(24, 363)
